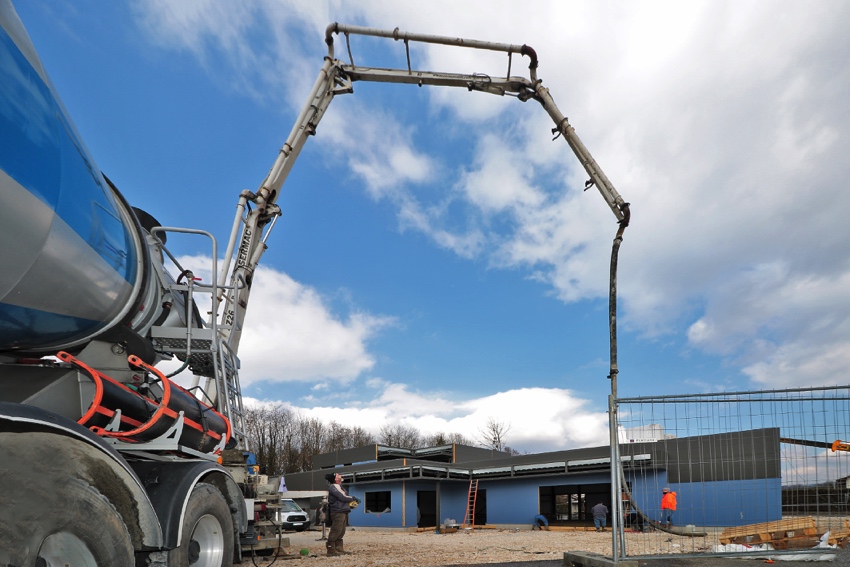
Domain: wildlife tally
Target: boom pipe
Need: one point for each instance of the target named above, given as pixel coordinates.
(525, 89)
(837, 445)
(312, 112)
(426, 38)
(597, 177)
(475, 82)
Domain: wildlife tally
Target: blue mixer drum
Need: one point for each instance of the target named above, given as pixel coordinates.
(71, 254)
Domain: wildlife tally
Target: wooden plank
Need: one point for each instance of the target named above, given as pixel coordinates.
(799, 542)
(785, 525)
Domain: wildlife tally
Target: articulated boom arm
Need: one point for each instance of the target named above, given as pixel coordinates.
(336, 78)
(524, 89)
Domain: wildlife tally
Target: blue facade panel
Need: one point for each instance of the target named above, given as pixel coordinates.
(646, 492)
(511, 502)
(715, 503)
(728, 503)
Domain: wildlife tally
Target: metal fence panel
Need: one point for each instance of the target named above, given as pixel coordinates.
(751, 472)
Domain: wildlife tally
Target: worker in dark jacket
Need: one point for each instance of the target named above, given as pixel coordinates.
(339, 506)
(600, 516)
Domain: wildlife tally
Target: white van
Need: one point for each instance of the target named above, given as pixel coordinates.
(292, 517)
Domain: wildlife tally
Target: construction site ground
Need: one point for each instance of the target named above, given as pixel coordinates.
(498, 547)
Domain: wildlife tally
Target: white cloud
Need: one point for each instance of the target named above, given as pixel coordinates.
(542, 419)
(382, 153)
(804, 342)
(292, 334)
(496, 182)
(539, 419)
(376, 147)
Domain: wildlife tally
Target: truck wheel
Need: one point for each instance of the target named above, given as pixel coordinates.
(206, 538)
(75, 525)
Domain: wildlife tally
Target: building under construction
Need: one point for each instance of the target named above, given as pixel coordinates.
(725, 479)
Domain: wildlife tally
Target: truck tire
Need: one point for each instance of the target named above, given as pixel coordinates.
(70, 523)
(206, 538)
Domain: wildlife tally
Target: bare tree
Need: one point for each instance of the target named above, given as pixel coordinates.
(436, 440)
(312, 435)
(401, 436)
(285, 442)
(270, 429)
(439, 439)
(360, 438)
(459, 439)
(343, 437)
(492, 434)
(337, 437)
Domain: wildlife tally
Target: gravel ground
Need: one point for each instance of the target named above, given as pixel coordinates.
(496, 548)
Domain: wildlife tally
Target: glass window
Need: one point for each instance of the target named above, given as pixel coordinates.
(378, 502)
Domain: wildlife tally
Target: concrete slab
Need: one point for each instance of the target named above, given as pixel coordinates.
(585, 559)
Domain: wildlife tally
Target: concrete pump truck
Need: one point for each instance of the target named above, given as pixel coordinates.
(104, 459)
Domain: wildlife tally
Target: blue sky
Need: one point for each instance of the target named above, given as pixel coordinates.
(437, 262)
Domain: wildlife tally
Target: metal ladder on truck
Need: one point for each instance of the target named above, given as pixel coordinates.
(471, 497)
(206, 350)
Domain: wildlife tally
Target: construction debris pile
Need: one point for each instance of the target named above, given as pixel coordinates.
(786, 534)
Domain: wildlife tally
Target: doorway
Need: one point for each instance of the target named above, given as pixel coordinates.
(481, 508)
(426, 506)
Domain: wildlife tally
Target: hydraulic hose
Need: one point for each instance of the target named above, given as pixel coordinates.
(616, 501)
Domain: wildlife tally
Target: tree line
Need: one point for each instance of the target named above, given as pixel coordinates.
(285, 441)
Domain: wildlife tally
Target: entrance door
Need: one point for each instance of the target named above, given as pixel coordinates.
(426, 504)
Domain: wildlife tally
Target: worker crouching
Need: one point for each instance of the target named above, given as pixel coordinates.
(339, 507)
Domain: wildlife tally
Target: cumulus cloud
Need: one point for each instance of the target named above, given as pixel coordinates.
(291, 333)
(804, 341)
(496, 183)
(383, 154)
(538, 419)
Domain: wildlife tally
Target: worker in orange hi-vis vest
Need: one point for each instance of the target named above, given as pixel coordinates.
(668, 506)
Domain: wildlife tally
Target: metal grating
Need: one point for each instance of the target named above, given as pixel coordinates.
(741, 464)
